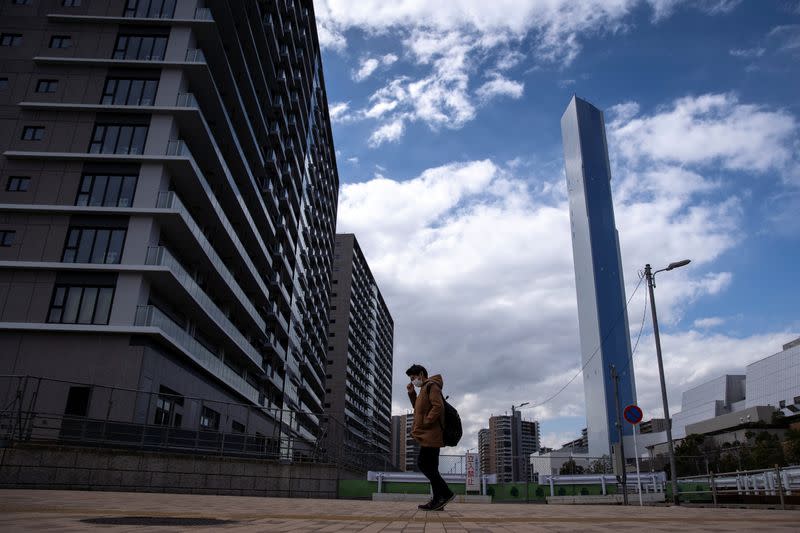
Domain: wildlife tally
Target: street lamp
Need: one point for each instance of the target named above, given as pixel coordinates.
(651, 283)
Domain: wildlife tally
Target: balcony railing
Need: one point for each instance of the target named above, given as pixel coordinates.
(186, 100)
(151, 316)
(195, 55)
(170, 200)
(159, 255)
(203, 13)
(177, 147)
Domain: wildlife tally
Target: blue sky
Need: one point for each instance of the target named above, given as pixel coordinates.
(446, 125)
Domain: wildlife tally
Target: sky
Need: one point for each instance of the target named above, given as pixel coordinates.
(446, 122)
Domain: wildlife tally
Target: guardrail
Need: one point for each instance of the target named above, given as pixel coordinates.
(767, 484)
(51, 411)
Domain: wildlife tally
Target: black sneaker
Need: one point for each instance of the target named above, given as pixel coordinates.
(439, 505)
(427, 506)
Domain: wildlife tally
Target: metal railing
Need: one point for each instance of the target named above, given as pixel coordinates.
(151, 316)
(161, 256)
(170, 200)
(52, 411)
(762, 486)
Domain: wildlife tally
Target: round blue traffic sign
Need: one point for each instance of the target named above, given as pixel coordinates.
(633, 414)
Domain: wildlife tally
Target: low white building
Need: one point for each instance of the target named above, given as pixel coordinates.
(550, 463)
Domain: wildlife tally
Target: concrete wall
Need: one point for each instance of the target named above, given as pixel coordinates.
(75, 468)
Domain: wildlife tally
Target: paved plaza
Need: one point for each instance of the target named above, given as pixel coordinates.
(33, 510)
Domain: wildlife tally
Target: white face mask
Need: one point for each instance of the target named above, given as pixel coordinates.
(417, 383)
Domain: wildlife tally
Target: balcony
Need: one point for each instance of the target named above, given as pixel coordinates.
(151, 316)
(170, 200)
(160, 256)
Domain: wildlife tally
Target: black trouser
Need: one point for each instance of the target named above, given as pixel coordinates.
(428, 463)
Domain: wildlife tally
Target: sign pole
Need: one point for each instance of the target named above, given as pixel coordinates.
(633, 414)
(638, 474)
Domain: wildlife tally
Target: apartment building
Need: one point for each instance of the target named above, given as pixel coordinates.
(167, 214)
(359, 359)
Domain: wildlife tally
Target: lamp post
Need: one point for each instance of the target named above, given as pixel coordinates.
(651, 283)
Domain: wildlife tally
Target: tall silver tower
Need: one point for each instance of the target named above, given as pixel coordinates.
(602, 316)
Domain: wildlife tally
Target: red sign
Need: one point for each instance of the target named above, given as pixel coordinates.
(633, 414)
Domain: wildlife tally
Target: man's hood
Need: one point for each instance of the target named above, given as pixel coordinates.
(437, 379)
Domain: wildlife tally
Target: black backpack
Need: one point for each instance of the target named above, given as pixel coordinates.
(451, 423)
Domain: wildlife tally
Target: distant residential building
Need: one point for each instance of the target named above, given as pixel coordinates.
(506, 447)
(654, 425)
(411, 450)
(579, 445)
(484, 451)
(359, 362)
(398, 441)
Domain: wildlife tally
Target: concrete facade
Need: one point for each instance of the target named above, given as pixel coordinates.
(602, 310)
(75, 468)
(169, 192)
(359, 358)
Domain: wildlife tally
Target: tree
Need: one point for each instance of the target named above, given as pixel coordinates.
(792, 446)
(571, 468)
(689, 456)
(600, 466)
(767, 451)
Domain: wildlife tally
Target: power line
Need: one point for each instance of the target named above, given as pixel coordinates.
(603, 340)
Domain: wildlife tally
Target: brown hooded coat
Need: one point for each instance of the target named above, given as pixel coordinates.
(428, 412)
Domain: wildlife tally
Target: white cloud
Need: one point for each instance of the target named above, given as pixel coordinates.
(664, 8)
(787, 37)
(352, 160)
(338, 111)
(747, 52)
(387, 133)
(712, 129)
(475, 264)
(509, 59)
(500, 86)
(709, 322)
(369, 65)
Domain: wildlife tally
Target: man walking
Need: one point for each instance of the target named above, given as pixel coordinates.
(427, 431)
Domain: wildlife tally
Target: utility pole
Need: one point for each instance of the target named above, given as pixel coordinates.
(615, 377)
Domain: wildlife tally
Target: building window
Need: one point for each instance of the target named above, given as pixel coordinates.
(237, 427)
(60, 41)
(7, 237)
(21, 2)
(150, 8)
(47, 86)
(167, 405)
(123, 91)
(77, 304)
(3, 84)
(11, 39)
(209, 419)
(118, 139)
(33, 133)
(70, 3)
(142, 47)
(18, 183)
(108, 191)
(77, 401)
(94, 245)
